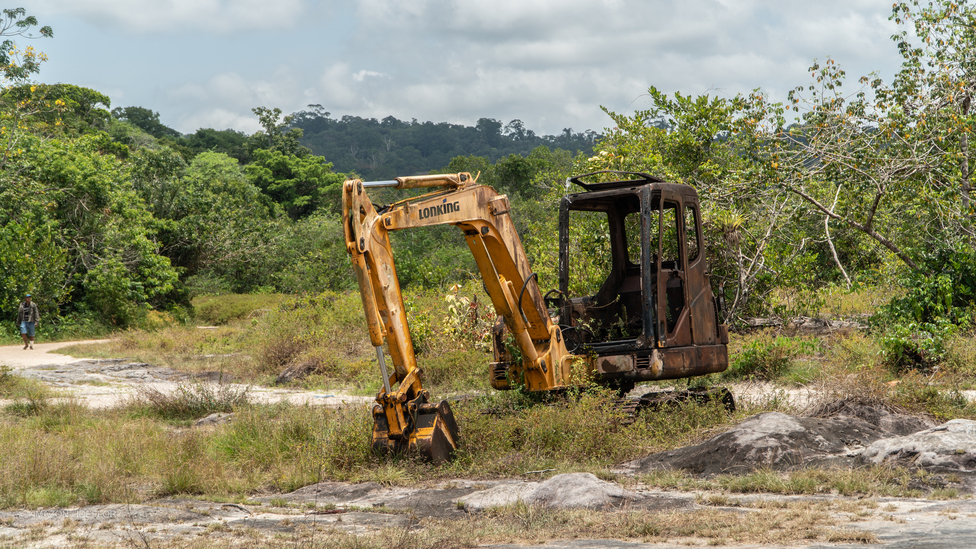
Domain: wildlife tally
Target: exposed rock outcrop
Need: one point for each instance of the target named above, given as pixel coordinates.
(887, 419)
(771, 440)
(566, 491)
(948, 447)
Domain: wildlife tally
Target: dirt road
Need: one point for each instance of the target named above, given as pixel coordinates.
(16, 357)
(107, 383)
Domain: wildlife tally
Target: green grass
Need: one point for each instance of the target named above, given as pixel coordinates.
(88, 456)
(144, 449)
(223, 309)
(874, 481)
(14, 387)
(766, 355)
(917, 393)
(325, 334)
(133, 453)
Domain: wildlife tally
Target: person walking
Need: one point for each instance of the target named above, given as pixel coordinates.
(28, 318)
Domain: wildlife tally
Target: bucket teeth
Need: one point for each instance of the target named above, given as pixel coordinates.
(433, 433)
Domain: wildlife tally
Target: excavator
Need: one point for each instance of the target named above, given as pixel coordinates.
(634, 301)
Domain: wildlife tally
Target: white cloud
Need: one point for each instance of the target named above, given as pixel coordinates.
(219, 119)
(337, 88)
(361, 75)
(232, 89)
(616, 35)
(555, 62)
(230, 95)
(214, 16)
(550, 63)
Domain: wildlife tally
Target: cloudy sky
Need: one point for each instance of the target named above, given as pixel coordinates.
(550, 63)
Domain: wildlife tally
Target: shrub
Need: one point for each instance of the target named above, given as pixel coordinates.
(468, 320)
(854, 351)
(915, 345)
(422, 334)
(941, 296)
(768, 357)
(461, 370)
(569, 432)
(7, 379)
(30, 395)
(206, 284)
(961, 355)
(916, 393)
(298, 445)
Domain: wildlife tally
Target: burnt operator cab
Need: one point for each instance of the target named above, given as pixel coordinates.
(634, 287)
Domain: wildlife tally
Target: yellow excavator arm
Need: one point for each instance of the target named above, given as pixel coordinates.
(404, 419)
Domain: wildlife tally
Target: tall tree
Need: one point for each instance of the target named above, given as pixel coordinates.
(146, 119)
(848, 159)
(935, 90)
(230, 142)
(18, 65)
(278, 135)
(300, 184)
(706, 142)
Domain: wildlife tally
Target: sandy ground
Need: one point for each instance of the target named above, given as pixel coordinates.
(16, 357)
(108, 383)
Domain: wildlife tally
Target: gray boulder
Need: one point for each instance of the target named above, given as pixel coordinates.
(297, 371)
(578, 490)
(566, 491)
(888, 420)
(497, 496)
(947, 447)
(771, 440)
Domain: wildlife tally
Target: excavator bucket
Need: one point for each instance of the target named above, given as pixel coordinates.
(433, 434)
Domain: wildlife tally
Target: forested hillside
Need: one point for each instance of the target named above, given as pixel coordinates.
(390, 147)
(111, 217)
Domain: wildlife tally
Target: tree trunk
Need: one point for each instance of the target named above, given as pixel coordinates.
(830, 241)
(965, 187)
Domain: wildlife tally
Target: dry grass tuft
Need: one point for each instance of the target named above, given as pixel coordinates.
(14, 387)
(187, 401)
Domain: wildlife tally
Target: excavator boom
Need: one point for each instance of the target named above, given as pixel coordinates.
(403, 417)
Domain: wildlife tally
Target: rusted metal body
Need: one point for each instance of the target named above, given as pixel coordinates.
(656, 291)
(657, 287)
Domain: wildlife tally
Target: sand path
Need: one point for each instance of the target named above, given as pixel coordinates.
(105, 383)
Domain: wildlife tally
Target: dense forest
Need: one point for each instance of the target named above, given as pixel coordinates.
(368, 148)
(390, 147)
(111, 217)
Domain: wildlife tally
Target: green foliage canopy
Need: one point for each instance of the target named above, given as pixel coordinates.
(300, 184)
(146, 119)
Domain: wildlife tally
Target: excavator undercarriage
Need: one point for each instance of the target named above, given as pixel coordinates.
(634, 301)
